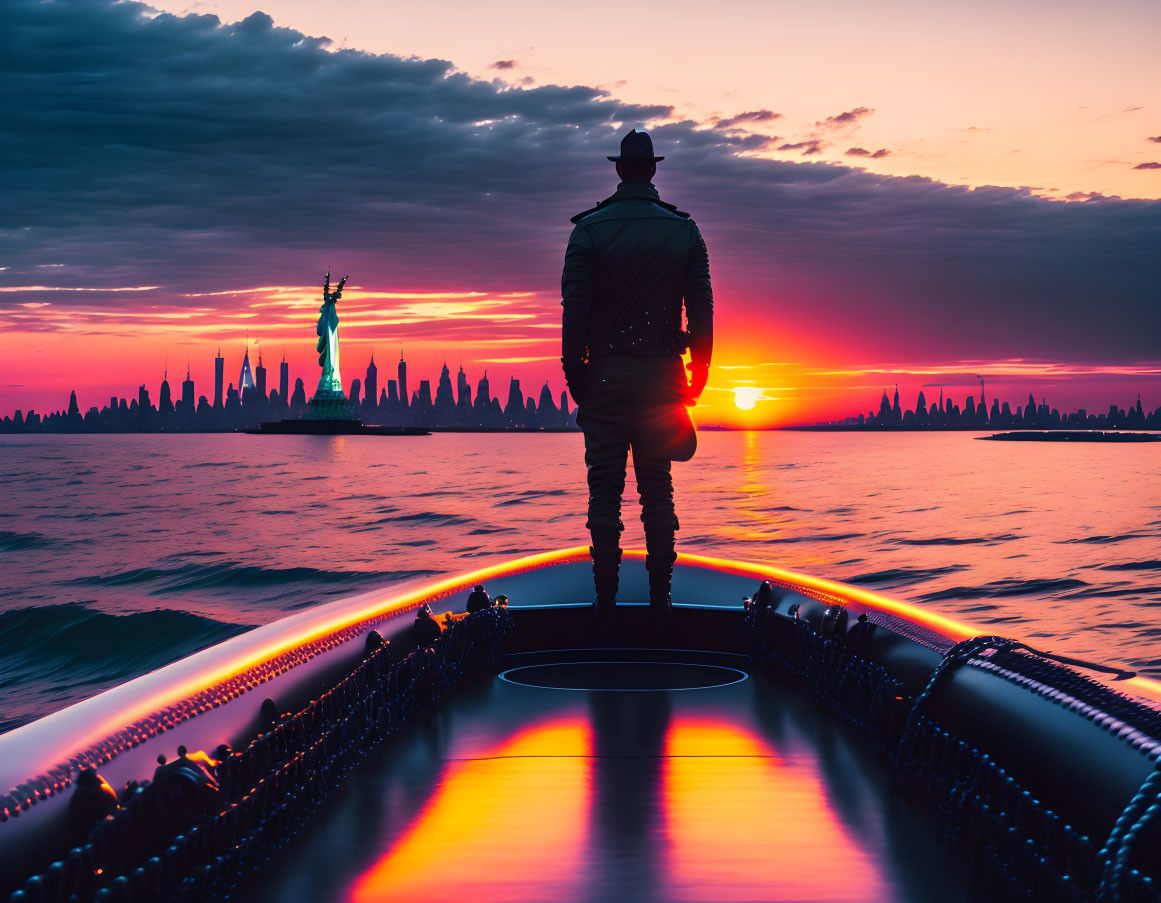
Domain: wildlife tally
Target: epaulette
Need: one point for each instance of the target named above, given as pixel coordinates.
(672, 209)
(584, 213)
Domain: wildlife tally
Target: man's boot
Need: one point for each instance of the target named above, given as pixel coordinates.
(659, 559)
(606, 555)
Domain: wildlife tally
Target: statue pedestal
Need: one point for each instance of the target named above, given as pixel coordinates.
(328, 406)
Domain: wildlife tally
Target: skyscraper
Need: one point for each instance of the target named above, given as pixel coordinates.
(219, 376)
(445, 403)
(403, 398)
(260, 379)
(284, 379)
(245, 377)
(371, 383)
(187, 393)
(463, 396)
(165, 397)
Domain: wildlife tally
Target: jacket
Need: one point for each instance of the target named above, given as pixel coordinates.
(631, 262)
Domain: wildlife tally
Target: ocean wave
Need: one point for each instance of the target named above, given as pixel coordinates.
(1127, 591)
(998, 589)
(427, 517)
(12, 541)
(894, 575)
(56, 653)
(231, 574)
(956, 541)
(813, 537)
(1102, 540)
(531, 495)
(1151, 565)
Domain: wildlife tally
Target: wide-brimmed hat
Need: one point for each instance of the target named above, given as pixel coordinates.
(636, 146)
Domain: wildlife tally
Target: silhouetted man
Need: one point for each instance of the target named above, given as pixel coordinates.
(631, 262)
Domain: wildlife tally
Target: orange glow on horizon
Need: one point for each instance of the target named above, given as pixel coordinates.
(800, 375)
(515, 816)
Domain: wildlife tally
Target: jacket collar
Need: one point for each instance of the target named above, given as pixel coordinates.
(643, 190)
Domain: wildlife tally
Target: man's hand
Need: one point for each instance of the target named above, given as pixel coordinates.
(577, 376)
(698, 374)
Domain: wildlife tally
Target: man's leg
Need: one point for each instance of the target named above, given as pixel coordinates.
(655, 488)
(606, 448)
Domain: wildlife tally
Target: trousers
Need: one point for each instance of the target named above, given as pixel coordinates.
(623, 390)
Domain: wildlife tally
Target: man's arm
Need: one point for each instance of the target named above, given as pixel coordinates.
(576, 296)
(699, 313)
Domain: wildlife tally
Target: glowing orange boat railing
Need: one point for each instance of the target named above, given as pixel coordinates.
(96, 730)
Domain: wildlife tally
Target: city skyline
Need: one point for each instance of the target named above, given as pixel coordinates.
(823, 392)
(396, 400)
(228, 407)
(1033, 414)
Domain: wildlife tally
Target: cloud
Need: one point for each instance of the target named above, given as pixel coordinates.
(752, 117)
(146, 149)
(808, 147)
(502, 64)
(842, 120)
(1151, 165)
(863, 152)
(1156, 139)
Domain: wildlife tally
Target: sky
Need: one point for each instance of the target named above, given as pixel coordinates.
(903, 193)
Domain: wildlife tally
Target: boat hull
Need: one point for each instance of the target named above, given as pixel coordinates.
(1066, 758)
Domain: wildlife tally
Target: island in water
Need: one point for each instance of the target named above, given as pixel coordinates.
(1072, 436)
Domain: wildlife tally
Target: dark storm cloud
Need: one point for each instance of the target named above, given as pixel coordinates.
(751, 117)
(863, 152)
(145, 149)
(1156, 139)
(850, 117)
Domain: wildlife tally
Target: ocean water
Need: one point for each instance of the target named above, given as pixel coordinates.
(119, 554)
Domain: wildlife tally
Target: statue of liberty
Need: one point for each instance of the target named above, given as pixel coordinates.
(329, 401)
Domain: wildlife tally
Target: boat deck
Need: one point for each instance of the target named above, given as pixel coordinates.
(616, 775)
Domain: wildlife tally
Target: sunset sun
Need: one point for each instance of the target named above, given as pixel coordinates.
(745, 397)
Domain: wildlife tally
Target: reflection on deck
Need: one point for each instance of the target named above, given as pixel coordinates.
(534, 787)
(518, 793)
(741, 821)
